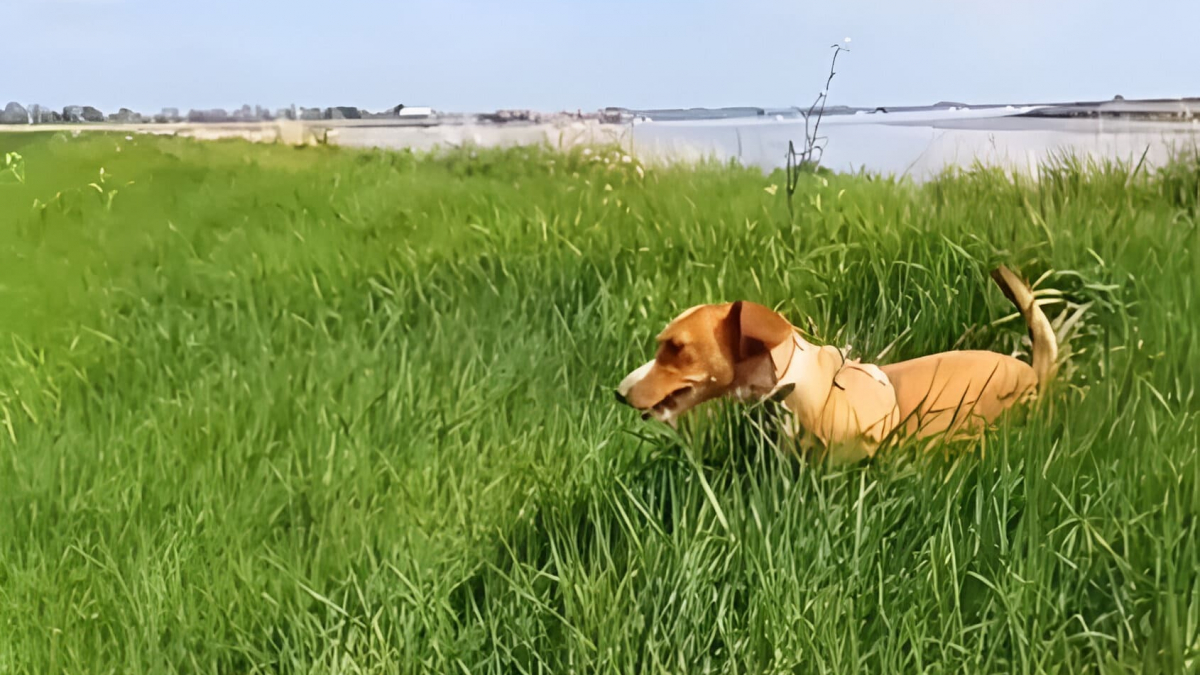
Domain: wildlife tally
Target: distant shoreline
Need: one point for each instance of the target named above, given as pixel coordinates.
(914, 142)
(16, 115)
(367, 133)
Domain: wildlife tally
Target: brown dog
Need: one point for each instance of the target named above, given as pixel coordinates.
(745, 350)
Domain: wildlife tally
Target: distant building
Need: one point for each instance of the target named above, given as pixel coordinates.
(614, 115)
(125, 116)
(82, 113)
(168, 116)
(243, 114)
(248, 114)
(342, 113)
(214, 115)
(413, 111)
(14, 113)
(40, 114)
(506, 116)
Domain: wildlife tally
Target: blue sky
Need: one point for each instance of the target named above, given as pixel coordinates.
(480, 55)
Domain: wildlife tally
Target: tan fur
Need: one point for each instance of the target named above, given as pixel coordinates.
(748, 351)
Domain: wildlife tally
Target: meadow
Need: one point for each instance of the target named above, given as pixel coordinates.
(267, 409)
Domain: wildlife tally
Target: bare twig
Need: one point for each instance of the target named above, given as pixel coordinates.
(809, 157)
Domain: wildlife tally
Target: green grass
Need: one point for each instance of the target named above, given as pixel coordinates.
(266, 409)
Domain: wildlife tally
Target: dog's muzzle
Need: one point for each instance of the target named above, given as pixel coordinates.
(631, 380)
(665, 409)
(621, 398)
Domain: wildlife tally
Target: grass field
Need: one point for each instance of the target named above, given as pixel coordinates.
(266, 409)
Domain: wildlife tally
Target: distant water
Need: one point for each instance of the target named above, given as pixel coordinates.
(920, 143)
(915, 142)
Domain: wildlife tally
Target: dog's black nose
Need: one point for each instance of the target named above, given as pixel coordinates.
(620, 397)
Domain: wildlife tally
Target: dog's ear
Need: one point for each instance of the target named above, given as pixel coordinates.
(762, 345)
(758, 329)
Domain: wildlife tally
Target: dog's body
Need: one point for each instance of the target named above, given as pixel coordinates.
(748, 351)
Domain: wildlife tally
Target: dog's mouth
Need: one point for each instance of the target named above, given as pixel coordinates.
(668, 407)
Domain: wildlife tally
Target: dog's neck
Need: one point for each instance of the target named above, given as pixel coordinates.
(809, 370)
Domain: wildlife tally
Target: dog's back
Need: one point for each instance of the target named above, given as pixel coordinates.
(958, 391)
(966, 390)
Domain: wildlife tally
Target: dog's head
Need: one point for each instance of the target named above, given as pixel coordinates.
(737, 348)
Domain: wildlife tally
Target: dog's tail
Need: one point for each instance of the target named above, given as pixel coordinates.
(1045, 344)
